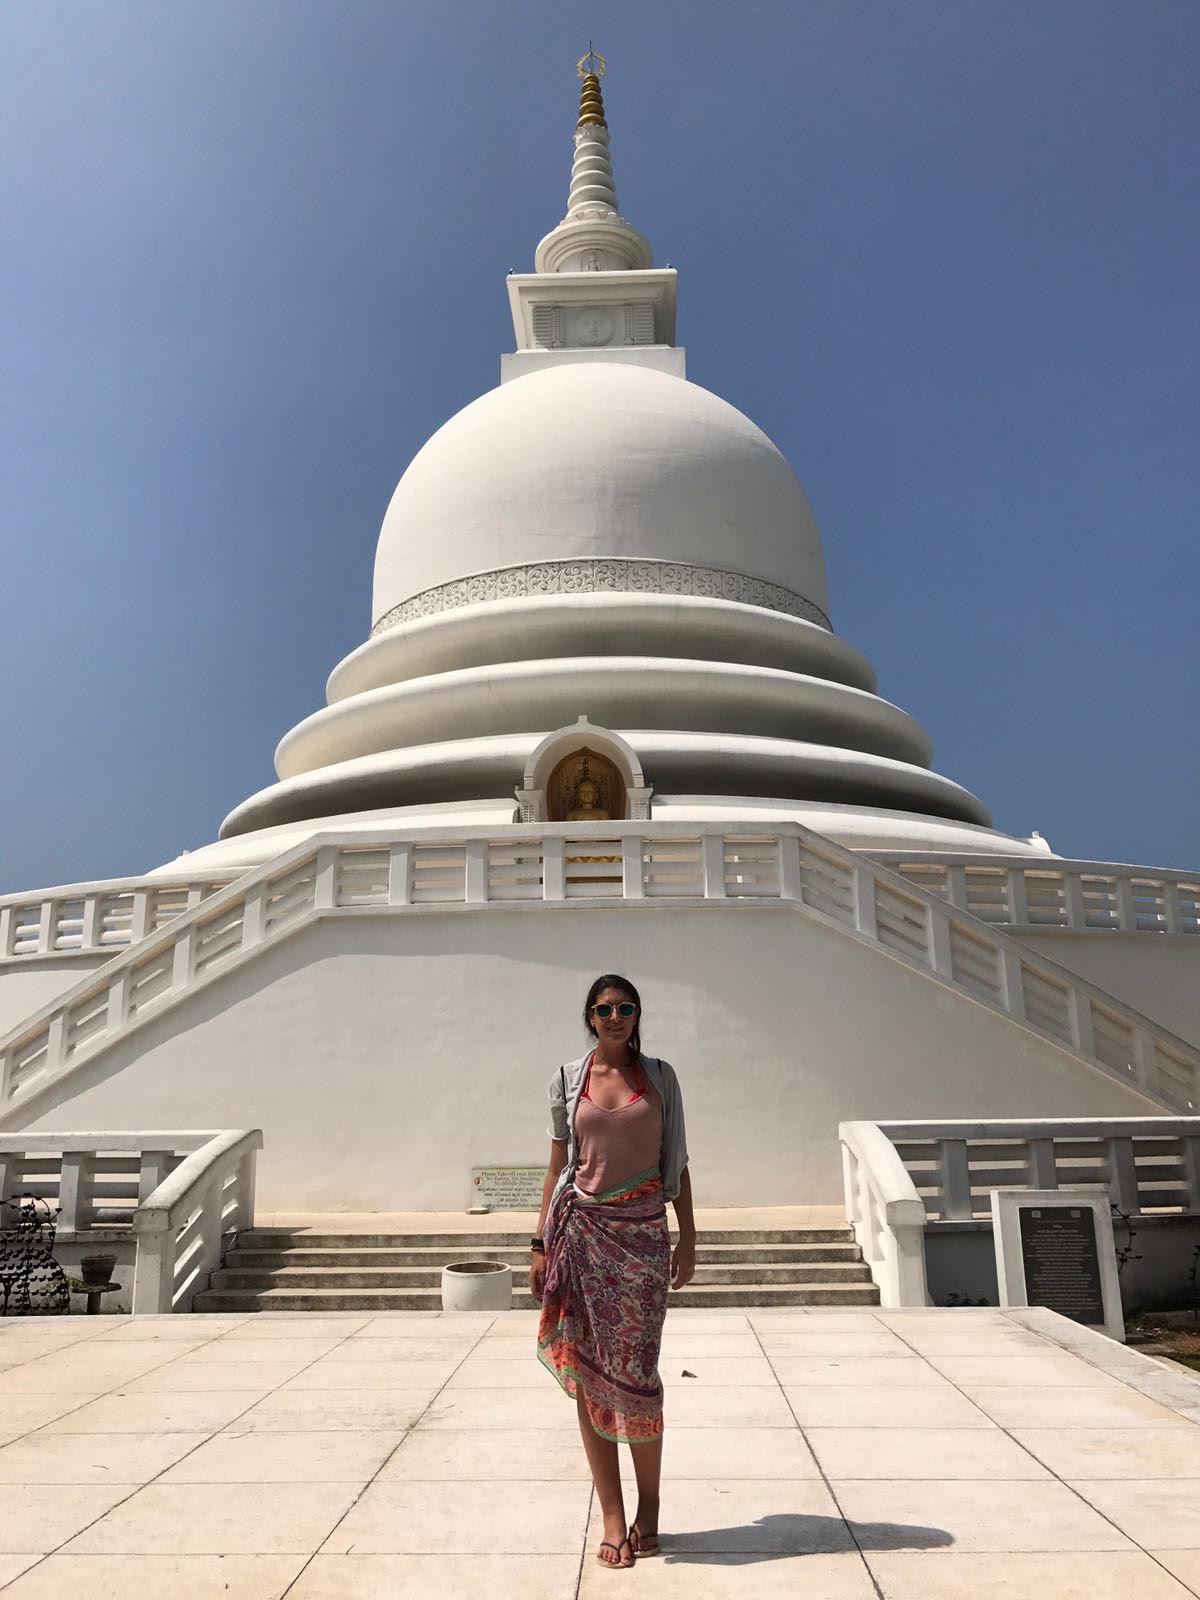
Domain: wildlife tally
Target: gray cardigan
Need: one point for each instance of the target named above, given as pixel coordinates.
(673, 1157)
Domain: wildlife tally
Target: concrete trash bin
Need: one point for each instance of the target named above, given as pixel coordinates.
(476, 1286)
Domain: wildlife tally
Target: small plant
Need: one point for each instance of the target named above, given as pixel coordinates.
(956, 1299)
(1125, 1252)
(1193, 1287)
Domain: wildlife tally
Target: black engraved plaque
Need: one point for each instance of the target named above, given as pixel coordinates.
(1062, 1261)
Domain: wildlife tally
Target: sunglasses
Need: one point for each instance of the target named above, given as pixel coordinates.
(604, 1010)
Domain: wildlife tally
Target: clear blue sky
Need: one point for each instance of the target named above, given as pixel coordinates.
(945, 252)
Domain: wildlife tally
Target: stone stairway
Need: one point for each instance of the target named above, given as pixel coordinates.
(285, 1269)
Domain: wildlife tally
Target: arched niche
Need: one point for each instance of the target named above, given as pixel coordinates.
(578, 753)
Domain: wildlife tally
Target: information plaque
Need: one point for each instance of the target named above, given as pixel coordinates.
(507, 1188)
(1062, 1261)
(1054, 1248)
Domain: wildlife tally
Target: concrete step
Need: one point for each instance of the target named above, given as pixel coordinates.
(288, 1238)
(293, 1269)
(430, 1277)
(695, 1296)
(515, 1255)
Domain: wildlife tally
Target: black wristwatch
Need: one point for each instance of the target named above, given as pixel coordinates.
(537, 1244)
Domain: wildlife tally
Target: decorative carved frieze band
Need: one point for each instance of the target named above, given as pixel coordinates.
(595, 577)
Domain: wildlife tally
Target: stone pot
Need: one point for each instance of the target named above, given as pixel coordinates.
(96, 1270)
(477, 1286)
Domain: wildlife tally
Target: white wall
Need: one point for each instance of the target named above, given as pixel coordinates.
(384, 1056)
(1159, 975)
(32, 982)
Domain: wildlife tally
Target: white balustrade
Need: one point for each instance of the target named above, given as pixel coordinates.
(88, 919)
(643, 863)
(886, 1213)
(1148, 1164)
(1082, 896)
(182, 1226)
(94, 1180)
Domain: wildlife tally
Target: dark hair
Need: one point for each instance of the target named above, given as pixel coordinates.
(613, 980)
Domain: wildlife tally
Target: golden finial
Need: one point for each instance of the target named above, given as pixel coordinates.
(591, 68)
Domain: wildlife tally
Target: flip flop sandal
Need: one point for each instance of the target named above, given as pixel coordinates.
(618, 1565)
(641, 1553)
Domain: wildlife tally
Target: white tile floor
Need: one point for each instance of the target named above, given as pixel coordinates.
(839, 1455)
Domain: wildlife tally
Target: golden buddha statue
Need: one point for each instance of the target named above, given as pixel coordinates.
(585, 808)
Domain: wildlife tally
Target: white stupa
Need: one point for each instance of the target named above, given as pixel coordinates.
(601, 721)
(597, 536)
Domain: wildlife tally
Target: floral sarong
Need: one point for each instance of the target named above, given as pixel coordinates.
(608, 1262)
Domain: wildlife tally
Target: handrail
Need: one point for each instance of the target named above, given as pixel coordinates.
(1047, 893)
(88, 919)
(886, 1213)
(899, 1175)
(94, 1180)
(644, 862)
(181, 1227)
(1148, 1164)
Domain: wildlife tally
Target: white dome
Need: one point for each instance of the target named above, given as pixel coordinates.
(591, 461)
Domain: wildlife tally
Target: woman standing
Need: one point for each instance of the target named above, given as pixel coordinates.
(602, 1256)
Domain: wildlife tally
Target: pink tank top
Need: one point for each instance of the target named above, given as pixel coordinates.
(615, 1146)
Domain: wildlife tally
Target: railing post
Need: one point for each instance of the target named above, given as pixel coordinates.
(956, 886)
(476, 882)
(1126, 905)
(139, 917)
(1043, 1167)
(957, 1205)
(1170, 893)
(633, 882)
(246, 1184)
(183, 959)
(154, 1272)
(1079, 1007)
(152, 1170)
(8, 924)
(850, 1184)
(937, 927)
(1014, 982)
(209, 1224)
(554, 876)
(325, 884)
(1122, 1173)
(1191, 1171)
(712, 855)
(89, 933)
(1073, 900)
(1018, 900)
(791, 879)
(254, 915)
(56, 1043)
(868, 1238)
(400, 873)
(118, 1003)
(75, 1207)
(864, 902)
(1145, 1062)
(45, 942)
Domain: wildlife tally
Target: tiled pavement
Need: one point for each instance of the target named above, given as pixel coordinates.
(829, 1454)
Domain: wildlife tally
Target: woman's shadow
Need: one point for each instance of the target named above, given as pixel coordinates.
(786, 1533)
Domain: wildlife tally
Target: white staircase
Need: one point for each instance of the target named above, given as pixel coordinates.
(639, 863)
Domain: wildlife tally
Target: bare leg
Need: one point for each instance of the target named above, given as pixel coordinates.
(647, 1465)
(606, 1475)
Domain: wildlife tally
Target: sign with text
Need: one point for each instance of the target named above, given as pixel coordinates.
(1054, 1248)
(1062, 1261)
(507, 1188)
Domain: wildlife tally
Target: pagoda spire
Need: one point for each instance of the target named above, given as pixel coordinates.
(593, 236)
